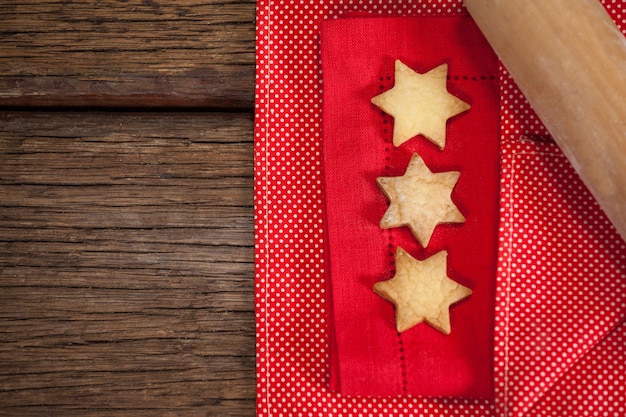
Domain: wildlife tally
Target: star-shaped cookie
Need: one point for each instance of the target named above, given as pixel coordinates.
(420, 104)
(422, 291)
(420, 200)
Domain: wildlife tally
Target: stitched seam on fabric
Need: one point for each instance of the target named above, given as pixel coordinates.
(511, 198)
(507, 295)
(507, 292)
(388, 139)
(402, 364)
(451, 77)
(401, 349)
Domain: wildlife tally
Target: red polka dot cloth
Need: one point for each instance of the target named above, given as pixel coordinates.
(559, 300)
(367, 354)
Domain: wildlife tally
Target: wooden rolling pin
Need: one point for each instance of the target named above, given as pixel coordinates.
(569, 59)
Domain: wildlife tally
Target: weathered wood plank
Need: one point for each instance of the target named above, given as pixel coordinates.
(133, 53)
(126, 264)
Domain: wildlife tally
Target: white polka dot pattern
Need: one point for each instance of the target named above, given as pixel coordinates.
(562, 276)
(290, 299)
(595, 386)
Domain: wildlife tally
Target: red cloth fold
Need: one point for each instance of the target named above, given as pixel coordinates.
(367, 355)
(561, 288)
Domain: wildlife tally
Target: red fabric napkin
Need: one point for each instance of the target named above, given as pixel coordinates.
(368, 356)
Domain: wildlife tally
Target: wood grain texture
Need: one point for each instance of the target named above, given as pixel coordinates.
(126, 264)
(131, 53)
(571, 67)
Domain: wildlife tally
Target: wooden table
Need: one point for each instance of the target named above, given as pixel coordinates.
(126, 212)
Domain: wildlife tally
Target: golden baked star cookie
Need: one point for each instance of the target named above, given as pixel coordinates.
(420, 200)
(421, 291)
(420, 104)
